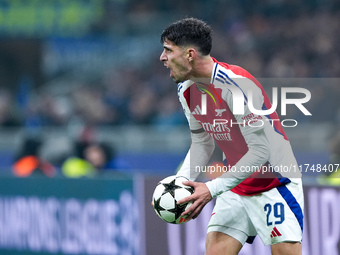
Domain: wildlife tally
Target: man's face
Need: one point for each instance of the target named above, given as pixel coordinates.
(175, 58)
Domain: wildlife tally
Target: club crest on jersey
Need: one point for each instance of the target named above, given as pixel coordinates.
(219, 112)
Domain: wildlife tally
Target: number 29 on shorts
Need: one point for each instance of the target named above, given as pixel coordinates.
(275, 213)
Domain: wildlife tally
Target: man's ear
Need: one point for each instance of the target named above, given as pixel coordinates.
(191, 54)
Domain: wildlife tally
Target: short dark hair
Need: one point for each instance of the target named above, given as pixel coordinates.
(189, 31)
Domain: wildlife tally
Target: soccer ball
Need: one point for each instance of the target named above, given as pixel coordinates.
(167, 192)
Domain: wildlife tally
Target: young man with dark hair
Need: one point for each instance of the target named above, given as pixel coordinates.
(254, 196)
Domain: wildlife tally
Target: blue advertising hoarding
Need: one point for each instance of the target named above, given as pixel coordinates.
(68, 216)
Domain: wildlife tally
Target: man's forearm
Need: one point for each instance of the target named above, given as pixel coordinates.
(257, 155)
(201, 149)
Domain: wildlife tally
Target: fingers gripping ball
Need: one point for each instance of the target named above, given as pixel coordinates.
(167, 192)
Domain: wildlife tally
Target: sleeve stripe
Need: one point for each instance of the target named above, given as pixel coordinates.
(197, 131)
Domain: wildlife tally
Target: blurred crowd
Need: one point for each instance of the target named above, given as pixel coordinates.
(271, 39)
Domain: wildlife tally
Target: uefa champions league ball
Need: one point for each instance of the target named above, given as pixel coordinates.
(167, 192)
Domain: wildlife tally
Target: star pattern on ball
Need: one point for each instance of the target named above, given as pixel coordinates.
(178, 210)
(157, 205)
(171, 187)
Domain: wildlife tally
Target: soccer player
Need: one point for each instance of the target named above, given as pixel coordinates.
(257, 195)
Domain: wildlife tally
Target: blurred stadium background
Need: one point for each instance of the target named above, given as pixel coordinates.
(82, 73)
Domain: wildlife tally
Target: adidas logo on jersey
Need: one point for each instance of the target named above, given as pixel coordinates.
(275, 233)
(198, 111)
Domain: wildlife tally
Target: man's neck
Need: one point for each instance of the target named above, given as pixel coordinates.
(203, 69)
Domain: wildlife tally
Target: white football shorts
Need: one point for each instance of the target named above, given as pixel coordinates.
(275, 215)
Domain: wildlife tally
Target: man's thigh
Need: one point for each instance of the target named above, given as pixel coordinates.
(230, 217)
(287, 249)
(218, 243)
